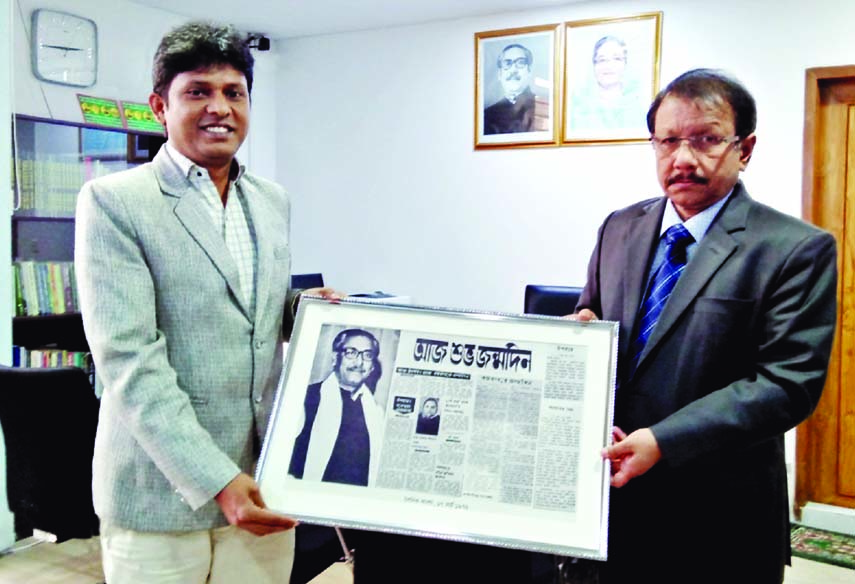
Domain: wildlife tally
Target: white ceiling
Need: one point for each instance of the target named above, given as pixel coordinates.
(295, 18)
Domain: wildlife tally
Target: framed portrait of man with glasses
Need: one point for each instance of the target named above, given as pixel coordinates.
(516, 87)
(344, 404)
(611, 76)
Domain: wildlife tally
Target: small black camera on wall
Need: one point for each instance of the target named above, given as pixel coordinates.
(259, 41)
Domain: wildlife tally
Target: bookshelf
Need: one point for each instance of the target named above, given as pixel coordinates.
(60, 330)
(51, 161)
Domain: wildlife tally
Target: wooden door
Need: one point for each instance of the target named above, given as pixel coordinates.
(825, 444)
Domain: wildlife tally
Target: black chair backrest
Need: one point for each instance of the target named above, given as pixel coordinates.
(49, 418)
(303, 281)
(551, 300)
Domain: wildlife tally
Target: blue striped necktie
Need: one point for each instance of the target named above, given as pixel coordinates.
(677, 239)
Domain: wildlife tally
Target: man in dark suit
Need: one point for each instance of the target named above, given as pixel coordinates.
(518, 110)
(737, 356)
(343, 423)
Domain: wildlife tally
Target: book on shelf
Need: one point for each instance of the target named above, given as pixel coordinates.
(29, 287)
(42, 283)
(67, 278)
(46, 358)
(45, 288)
(20, 302)
(57, 288)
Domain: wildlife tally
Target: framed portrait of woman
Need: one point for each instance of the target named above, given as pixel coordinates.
(611, 76)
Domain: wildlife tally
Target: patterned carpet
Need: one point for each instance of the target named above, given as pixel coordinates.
(823, 546)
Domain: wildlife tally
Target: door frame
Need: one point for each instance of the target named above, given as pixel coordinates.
(812, 477)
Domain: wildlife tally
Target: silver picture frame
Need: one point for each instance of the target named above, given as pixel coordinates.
(482, 427)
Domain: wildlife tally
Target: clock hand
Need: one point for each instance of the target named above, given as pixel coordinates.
(62, 48)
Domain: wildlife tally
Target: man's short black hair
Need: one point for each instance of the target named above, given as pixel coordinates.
(714, 88)
(199, 45)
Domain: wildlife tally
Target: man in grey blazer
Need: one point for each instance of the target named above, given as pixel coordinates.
(183, 269)
(737, 357)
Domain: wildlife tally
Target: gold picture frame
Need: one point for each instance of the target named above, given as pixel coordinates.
(611, 75)
(517, 87)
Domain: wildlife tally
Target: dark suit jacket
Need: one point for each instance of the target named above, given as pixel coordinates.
(504, 117)
(349, 466)
(738, 357)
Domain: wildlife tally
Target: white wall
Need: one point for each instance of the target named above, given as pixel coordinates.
(259, 151)
(7, 301)
(7, 298)
(376, 147)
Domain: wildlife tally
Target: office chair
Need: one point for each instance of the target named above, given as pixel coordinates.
(49, 417)
(304, 281)
(551, 300)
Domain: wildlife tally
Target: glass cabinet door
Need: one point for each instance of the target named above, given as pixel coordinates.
(51, 161)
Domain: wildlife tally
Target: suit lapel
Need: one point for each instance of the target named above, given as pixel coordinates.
(190, 212)
(716, 247)
(259, 214)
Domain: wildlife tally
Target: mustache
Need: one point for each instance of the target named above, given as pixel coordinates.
(512, 76)
(691, 177)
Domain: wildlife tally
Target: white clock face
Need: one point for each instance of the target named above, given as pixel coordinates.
(64, 49)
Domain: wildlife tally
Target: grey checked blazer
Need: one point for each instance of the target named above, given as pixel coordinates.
(187, 374)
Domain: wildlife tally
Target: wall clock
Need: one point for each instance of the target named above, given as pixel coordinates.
(64, 48)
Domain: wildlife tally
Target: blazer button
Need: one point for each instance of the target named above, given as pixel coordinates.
(259, 344)
(258, 399)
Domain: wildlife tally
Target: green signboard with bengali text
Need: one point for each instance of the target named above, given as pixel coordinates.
(98, 111)
(140, 118)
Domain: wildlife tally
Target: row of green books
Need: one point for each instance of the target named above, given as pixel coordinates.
(23, 357)
(44, 288)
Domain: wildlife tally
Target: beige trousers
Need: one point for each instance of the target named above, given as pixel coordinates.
(226, 555)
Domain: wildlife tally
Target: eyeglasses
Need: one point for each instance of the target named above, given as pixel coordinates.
(519, 63)
(351, 354)
(703, 144)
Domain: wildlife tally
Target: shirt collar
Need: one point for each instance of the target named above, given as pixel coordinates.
(187, 166)
(697, 225)
(358, 393)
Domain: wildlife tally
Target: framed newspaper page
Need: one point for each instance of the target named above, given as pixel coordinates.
(468, 426)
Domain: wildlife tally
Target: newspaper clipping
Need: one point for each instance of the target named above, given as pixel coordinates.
(445, 433)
